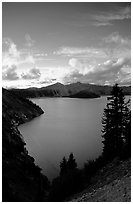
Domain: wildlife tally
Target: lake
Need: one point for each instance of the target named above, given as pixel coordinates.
(68, 125)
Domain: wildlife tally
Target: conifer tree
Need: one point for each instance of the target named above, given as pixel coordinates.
(63, 166)
(115, 120)
(67, 165)
(71, 162)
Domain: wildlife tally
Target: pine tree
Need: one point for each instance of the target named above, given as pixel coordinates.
(63, 166)
(67, 165)
(71, 162)
(127, 133)
(115, 120)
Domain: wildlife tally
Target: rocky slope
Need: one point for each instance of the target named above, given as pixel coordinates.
(111, 184)
(60, 90)
(21, 178)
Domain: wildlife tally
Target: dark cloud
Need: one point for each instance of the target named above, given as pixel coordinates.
(10, 74)
(33, 73)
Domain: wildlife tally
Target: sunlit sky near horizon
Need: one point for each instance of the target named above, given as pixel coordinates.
(48, 42)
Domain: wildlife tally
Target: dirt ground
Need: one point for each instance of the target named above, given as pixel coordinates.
(111, 184)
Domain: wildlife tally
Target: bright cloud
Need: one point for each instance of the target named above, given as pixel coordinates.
(10, 74)
(33, 73)
(73, 62)
(106, 64)
(114, 66)
(11, 55)
(80, 52)
(13, 58)
(113, 70)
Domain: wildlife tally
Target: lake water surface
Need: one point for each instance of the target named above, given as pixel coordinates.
(68, 125)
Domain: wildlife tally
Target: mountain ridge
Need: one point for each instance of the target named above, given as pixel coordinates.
(61, 90)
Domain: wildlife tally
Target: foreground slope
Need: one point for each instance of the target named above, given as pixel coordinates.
(21, 178)
(111, 184)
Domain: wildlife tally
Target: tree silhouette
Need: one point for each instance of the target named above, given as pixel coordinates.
(63, 166)
(71, 162)
(115, 123)
(127, 135)
(68, 182)
(67, 165)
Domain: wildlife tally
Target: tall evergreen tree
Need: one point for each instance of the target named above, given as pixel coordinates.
(127, 133)
(115, 120)
(63, 166)
(67, 165)
(71, 162)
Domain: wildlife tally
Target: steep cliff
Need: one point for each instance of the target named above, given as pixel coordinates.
(21, 178)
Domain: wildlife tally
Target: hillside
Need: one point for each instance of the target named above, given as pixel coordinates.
(60, 90)
(21, 178)
(110, 184)
(85, 94)
(17, 108)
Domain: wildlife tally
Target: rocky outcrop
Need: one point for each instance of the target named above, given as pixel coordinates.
(21, 178)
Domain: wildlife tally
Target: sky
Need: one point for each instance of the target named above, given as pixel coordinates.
(67, 42)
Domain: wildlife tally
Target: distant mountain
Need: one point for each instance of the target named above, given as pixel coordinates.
(84, 94)
(57, 89)
(60, 90)
(97, 89)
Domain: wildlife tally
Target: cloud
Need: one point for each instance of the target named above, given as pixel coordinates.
(117, 46)
(33, 73)
(12, 56)
(117, 39)
(73, 62)
(29, 41)
(97, 24)
(29, 59)
(81, 52)
(83, 66)
(47, 81)
(10, 73)
(108, 18)
(108, 63)
(40, 54)
(111, 71)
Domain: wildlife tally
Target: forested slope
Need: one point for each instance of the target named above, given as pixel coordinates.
(21, 178)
